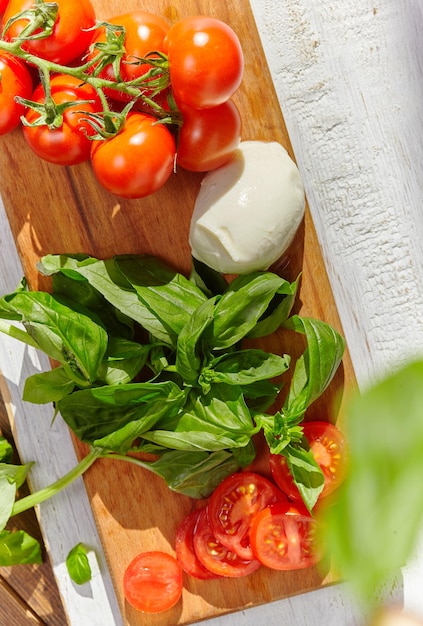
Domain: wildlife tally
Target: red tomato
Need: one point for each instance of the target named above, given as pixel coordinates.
(70, 37)
(215, 556)
(208, 137)
(283, 537)
(153, 582)
(206, 62)
(144, 33)
(232, 506)
(138, 160)
(15, 80)
(330, 451)
(69, 143)
(184, 546)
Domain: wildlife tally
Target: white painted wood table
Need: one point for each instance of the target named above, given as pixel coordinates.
(349, 77)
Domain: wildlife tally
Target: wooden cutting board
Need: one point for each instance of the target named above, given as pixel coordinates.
(58, 210)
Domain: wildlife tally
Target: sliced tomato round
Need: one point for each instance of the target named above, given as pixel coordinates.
(232, 506)
(284, 537)
(185, 551)
(152, 582)
(215, 556)
(329, 448)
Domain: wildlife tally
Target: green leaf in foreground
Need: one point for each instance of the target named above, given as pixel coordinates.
(78, 564)
(374, 522)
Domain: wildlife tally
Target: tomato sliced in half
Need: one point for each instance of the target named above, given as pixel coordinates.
(215, 556)
(152, 582)
(232, 506)
(283, 537)
(329, 448)
(185, 551)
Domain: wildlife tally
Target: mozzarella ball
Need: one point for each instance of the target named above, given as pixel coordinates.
(247, 211)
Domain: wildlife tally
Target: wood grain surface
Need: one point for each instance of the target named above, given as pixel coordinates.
(54, 210)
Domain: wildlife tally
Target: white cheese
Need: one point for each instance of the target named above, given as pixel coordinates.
(247, 211)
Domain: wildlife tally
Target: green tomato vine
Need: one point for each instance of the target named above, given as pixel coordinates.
(41, 20)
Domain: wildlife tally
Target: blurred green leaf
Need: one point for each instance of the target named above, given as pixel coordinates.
(372, 526)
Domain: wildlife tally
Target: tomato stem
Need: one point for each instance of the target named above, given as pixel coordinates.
(156, 80)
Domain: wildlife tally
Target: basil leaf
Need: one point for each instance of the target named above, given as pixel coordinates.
(245, 456)
(375, 519)
(70, 337)
(48, 386)
(113, 416)
(124, 360)
(193, 473)
(242, 305)
(278, 311)
(7, 499)
(78, 565)
(16, 474)
(306, 473)
(261, 395)
(316, 367)
(188, 349)
(11, 478)
(67, 264)
(18, 548)
(80, 292)
(243, 367)
(6, 450)
(168, 294)
(214, 421)
(210, 281)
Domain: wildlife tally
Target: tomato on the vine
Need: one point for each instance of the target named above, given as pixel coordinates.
(329, 448)
(206, 62)
(208, 137)
(138, 160)
(144, 33)
(70, 37)
(185, 551)
(215, 556)
(152, 582)
(284, 537)
(15, 80)
(232, 506)
(68, 144)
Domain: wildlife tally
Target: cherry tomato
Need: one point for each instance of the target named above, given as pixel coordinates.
(208, 137)
(215, 556)
(283, 537)
(69, 143)
(206, 62)
(330, 451)
(15, 80)
(138, 160)
(232, 506)
(185, 551)
(152, 582)
(144, 33)
(70, 37)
